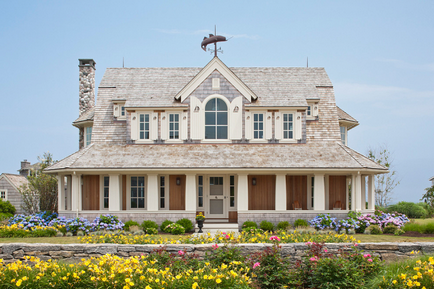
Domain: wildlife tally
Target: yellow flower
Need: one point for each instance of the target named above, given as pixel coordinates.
(195, 285)
(19, 282)
(394, 281)
(218, 280)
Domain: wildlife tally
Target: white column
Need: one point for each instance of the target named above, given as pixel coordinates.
(76, 184)
(363, 193)
(280, 197)
(371, 192)
(80, 192)
(114, 194)
(243, 193)
(319, 193)
(347, 199)
(190, 193)
(353, 193)
(358, 192)
(327, 192)
(60, 193)
(152, 193)
(68, 192)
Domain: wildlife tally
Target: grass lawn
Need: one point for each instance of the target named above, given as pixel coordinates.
(389, 238)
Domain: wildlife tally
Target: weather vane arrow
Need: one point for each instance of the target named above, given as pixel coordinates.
(213, 38)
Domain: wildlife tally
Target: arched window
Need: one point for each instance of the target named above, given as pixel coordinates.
(216, 119)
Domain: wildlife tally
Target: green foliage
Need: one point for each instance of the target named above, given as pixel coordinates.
(428, 198)
(283, 225)
(149, 224)
(40, 194)
(390, 229)
(399, 232)
(224, 255)
(421, 228)
(249, 224)
(151, 231)
(375, 230)
(164, 226)
(411, 210)
(266, 226)
(301, 223)
(186, 223)
(428, 228)
(7, 208)
(252, 230)
(130, 223)
(5, 217)
(175, 229)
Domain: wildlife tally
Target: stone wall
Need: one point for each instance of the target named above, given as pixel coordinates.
(86, 85)
(75, 252)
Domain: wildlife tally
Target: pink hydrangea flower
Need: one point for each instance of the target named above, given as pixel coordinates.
(369, 260)
(257, 264)
(181, 253)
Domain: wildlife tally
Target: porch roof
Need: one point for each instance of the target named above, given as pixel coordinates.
(329, 155)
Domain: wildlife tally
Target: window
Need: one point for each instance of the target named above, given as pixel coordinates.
(288, 126)
(123, 111)
(232, 192)
(312, 189)
(106, 192)
(173, 126)
(88, 135)
(309, 111)
(4, 195)
(137, 192)
(200, 191)
(343, 130)
(162, 192)
(143, 126)
(216, 119)
(258, 126)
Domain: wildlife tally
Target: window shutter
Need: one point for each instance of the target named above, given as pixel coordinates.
(184, 125)
(248, 125)
(278, 125)
(298, 122)
(268, 125)
(197, 119)
(116, 110)
(164, 126)
(153, 125)
(134, 121)
(236, 118)
(315, 108)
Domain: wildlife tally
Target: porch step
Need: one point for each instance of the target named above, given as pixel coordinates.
(217, 227)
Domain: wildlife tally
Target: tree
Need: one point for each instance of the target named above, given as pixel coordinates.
(384, 183)
(428, 198)
(40, 194)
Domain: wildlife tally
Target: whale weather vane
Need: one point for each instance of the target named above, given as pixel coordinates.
(213, 38)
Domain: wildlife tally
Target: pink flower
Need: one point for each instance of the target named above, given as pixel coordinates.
(308, 243)
(257, 264)
(274, 238)
(355, 245)
(366, 255)
(215, 246)
(369, 260)
(181, 253)
(325, 250)
(313, 259)
(227, 236)
(224, 233)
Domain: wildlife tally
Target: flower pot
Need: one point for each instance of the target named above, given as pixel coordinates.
(200, 225)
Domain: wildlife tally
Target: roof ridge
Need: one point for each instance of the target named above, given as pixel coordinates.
(344, 148)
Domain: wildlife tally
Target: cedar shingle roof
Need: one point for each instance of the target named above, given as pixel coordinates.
(16, 180)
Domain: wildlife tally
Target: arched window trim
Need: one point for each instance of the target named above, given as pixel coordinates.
(228, 104)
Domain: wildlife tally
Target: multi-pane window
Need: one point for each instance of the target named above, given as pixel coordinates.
(288, 126)
(123, 111)
(173, 126)
(162, 192)
(3, 195)
(232, 192)
(343, 134)
(144, 126)
(258, 126)
(312, 189)
(137, 192)
(200, 191)
(309, 111)
(216, 119)
(106, 192)
(88, 135)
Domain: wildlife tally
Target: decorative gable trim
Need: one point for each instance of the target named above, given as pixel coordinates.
(216, 64)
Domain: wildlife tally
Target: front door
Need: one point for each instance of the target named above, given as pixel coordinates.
(216, 198)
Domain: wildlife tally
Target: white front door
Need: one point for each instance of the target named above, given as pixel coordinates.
(216, 198)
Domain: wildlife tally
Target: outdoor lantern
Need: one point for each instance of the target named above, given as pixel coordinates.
(178, 181)
(254, 181)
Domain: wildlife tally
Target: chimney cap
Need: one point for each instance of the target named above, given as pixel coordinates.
(86, 62)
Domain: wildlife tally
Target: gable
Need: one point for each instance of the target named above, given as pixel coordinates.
(216, 65)
(15, 181)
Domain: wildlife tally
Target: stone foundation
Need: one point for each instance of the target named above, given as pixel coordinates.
(75, 252)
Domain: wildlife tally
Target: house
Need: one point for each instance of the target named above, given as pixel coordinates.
(10, 185)
(239, 143)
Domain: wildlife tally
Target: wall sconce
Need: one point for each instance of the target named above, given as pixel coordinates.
(254, 181)
(164, 117)
(155, 117)
(316, 107)
(236, 109)
(134, 118)
(178, 181)
(298, 117)
(196, 109)
(116, 108)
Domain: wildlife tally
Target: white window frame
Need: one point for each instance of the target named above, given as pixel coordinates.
(5, 191)
(264, 116)
(235, 185)
(129, 192)
(149, 139)
(102, 187)
(203, 192)
(228, 104)
(87, 139)
(283, 139)
(119, 111)
(166, 192)
(180, 116)
(344, 133)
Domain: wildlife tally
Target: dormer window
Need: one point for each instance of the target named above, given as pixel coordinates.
(144, 126)
(216, 119)
(88, 135)
(288, 126)
(119, 111)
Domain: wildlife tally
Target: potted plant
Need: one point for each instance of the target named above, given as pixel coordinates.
(200, 219)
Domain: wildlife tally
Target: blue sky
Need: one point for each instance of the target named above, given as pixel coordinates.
(378, 54)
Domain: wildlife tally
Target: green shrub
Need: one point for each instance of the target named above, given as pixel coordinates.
(266, 226)
(186, 223)
(390, 229)
(412, 227)
(375, 230)
(5, 216)
(43, 233)
(224, 255)
(130, 223)
(283, 225)
(252, 230)
(399, 232)
(151, 231)
(412, 210)
(301, 223)
(428, 228)
(249, 224)
(149, 224)
(175, 229)
(164, 226)
(6, 207)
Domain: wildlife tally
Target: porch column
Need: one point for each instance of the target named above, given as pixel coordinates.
(243, 193)
(280, 192)
(114, 193)
(60, 192)
(76, 193)
(347, 192)
(190, 192)
(371, 192)
(363, 193)
(357, 192)
(152, 193)
(68, 192)
(80, 193)
(319, 193)
(353, 193)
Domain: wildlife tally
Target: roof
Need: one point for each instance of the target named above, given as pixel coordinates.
(86, 116)
(330, 155)
(16, 180)
(431, 179)
(157, 87)
(345, 117)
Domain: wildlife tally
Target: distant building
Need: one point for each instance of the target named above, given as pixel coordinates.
(432, 180)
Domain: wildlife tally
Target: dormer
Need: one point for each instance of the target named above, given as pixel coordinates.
(119, 111)
(346, 122)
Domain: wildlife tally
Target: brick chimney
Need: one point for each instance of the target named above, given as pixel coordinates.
(87, 84)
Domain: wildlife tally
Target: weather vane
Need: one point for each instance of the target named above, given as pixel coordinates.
(213, 38)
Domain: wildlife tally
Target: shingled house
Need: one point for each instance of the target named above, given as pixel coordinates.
(235, 143)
